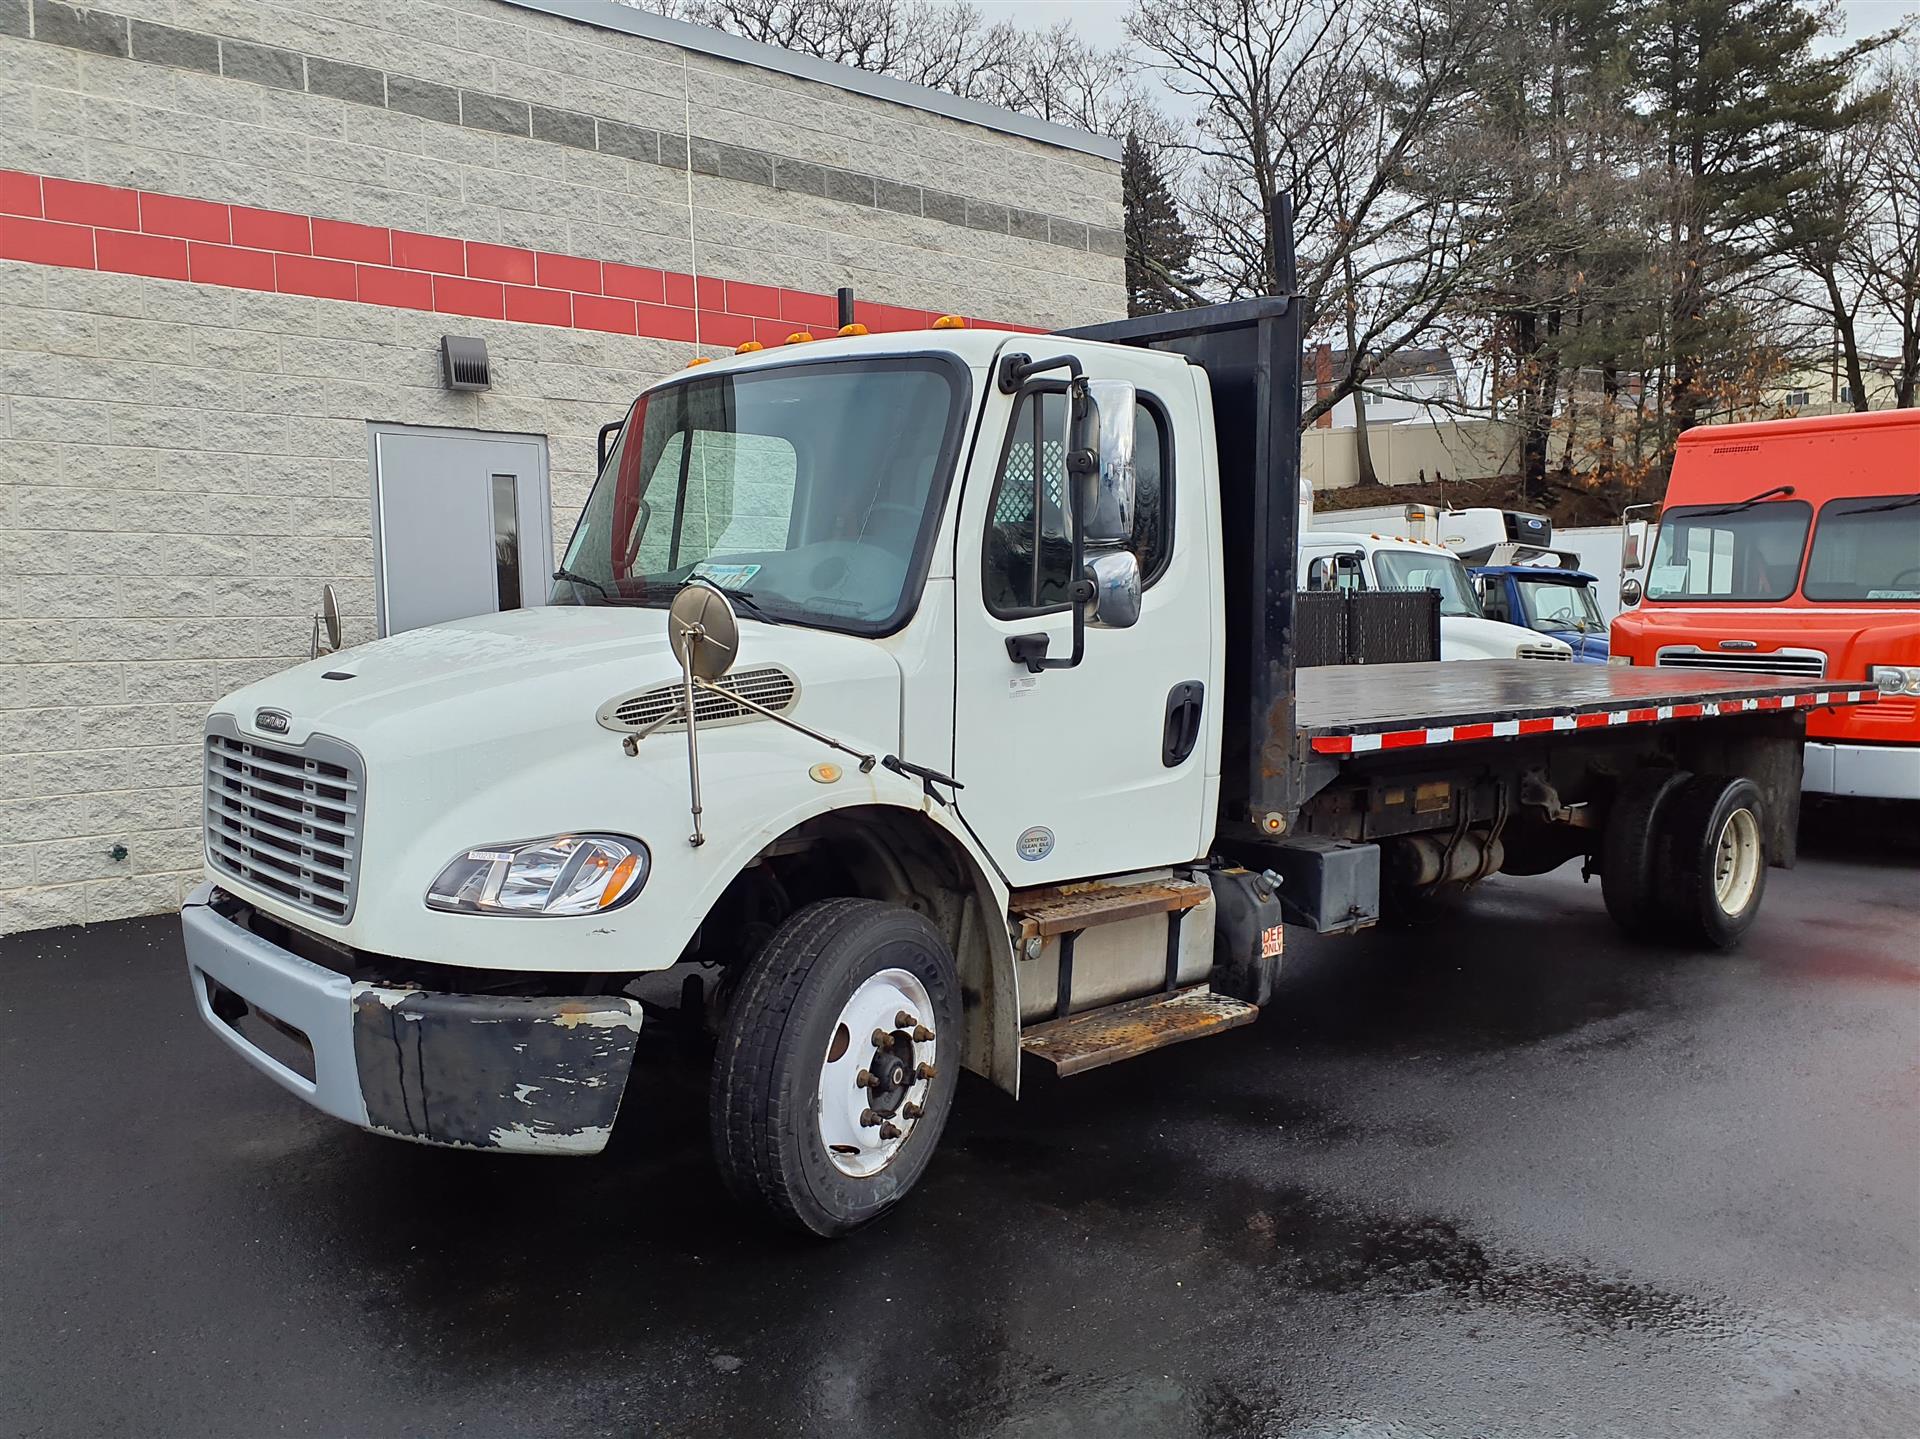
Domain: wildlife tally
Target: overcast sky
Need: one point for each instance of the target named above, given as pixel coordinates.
(1100, 20)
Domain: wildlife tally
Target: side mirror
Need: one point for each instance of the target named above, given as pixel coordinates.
(1630, 592)
(1116, 589)
(1107, 491)
(1633, 545)
(609, 432)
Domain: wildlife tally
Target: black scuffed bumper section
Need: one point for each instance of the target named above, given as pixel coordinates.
(523, 1074)
(494, 1072)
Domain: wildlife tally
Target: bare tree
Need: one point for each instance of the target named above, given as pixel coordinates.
(1892, 261)
(1353, 108)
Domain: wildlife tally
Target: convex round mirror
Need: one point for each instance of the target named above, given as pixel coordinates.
(1630, 592)
(330, 616)
(703, 631)
(1116, 589)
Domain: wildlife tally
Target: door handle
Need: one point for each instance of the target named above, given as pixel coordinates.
(1185, 703)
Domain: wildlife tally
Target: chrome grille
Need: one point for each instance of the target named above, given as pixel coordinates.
(1798, 664)
(1541, 652)
(286, 818)
(768, 686)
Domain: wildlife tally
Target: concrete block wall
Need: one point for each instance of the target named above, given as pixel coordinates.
(185, 388)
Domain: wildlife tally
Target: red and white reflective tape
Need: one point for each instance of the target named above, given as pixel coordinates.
(1597, 719)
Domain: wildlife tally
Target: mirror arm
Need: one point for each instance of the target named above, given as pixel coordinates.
(1017, 369)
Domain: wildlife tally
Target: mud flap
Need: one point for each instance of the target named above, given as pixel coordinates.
(494, 1071)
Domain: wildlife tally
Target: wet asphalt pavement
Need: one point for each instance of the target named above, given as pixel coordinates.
(1505, 1177)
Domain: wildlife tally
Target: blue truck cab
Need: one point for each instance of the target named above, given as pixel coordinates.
(1557, 602)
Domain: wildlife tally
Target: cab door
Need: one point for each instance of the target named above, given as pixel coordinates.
(1111, 765)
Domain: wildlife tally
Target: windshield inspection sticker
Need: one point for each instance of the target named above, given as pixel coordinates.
(1035, 843)
(728, 577)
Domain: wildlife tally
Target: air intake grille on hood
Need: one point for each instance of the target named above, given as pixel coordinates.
(768, 686)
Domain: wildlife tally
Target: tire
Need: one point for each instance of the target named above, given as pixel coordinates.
(788, 1119)
(1712, 859)
(1629, 846)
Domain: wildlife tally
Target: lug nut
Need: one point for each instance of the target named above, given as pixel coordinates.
(868, 1118)
(912, 1110)
(889, 1130)
(866, 1080)
(903, 1020)
(922, 1035)
(882, 1039)
(925, 1071)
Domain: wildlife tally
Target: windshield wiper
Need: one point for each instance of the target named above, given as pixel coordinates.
(745, 597)
(563, 573)
(1899, 504)
(1735, 509)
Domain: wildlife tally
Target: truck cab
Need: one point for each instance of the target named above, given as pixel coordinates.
(1792, 547)
(1559, 603)
(1331, 559)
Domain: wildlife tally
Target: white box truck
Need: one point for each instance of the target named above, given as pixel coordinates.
(909, 704)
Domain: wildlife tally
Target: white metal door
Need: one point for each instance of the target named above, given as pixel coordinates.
(462, 524)
(1066, 771)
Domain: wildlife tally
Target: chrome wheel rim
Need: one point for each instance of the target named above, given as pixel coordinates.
(876, 1072)
(1737, 861)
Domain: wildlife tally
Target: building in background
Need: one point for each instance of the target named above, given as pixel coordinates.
(231, 246)
(1410, 384)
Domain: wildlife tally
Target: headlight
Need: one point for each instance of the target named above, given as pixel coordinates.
(562, 874)
(1896, 679)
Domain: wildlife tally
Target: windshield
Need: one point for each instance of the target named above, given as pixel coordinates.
(1552, 605)
(1408, 570)
(812, 489)
(1866, 549)
(1706, 553)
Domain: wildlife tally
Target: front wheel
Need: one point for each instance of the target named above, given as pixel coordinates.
(837, 1065)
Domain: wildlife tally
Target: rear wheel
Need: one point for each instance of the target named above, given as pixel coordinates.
(837, 1065)
(1628, 879)
(1712, 852)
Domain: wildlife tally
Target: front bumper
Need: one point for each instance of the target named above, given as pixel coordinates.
(1876, 771)
(527, 1075)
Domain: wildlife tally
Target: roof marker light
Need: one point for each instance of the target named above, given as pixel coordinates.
(747, 347)
(950, 322)
(851, 330)
(800, 337)
(699, 360)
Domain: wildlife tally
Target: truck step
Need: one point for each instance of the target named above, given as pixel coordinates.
(1121, 1031)
(1040, 913)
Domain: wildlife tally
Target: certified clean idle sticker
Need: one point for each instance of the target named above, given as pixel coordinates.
(1035, 843)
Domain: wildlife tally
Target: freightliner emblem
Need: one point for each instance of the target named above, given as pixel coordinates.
(272, 721)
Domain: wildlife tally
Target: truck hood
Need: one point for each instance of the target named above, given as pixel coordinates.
(531, 674)
(486, 731)
(1465, 637)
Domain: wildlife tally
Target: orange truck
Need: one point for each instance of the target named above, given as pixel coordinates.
(1792, 547)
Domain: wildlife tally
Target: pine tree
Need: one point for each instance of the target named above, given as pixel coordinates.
(1743, 95)
(1159, 248)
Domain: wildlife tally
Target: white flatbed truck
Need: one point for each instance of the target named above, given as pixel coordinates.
(997, 753)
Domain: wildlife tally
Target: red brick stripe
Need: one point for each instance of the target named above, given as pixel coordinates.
(78, 225)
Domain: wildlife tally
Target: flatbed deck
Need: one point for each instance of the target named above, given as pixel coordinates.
(1357, 709)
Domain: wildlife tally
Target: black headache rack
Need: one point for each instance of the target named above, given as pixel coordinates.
(1250, 350)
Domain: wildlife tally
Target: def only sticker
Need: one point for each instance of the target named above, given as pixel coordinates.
(1035, 843)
